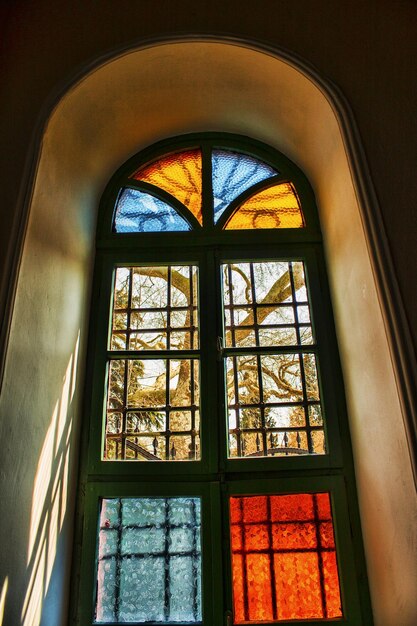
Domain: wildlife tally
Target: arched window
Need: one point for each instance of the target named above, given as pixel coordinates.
(219, 481)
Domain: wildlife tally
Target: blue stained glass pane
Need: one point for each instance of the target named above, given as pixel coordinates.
(234, 173)
(149, 560)
(140, 212)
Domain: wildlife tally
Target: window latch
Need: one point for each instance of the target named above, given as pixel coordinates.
(228, 618)
(219, 348)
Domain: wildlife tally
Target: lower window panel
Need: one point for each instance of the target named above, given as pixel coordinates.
(149, 560)
(283, 558)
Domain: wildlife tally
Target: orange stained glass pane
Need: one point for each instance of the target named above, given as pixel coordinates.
(298, 586)
(283, 558)
(258, 575)
(238, 588)
(275, 207)
(331, 584)
(178, 174)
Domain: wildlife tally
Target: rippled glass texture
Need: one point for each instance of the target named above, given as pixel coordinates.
(283, 558)
(155, 308)
(234, 173)
(149, 561)
(140, 212)
(275, 207)
(178, 174)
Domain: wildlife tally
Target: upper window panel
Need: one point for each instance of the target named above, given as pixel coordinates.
(275, 207)
(180, 175)
(198, 189)
(139, 212)
(233, 173)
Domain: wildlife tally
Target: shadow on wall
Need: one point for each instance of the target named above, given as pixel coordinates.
(49, 501)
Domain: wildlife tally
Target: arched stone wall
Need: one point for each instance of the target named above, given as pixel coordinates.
(125, 104)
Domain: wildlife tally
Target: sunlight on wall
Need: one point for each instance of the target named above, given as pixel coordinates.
(49, 497)
(3, 599)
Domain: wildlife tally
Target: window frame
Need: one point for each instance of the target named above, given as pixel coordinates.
(209, 247)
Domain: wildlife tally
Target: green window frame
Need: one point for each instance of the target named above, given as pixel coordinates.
(215, 477)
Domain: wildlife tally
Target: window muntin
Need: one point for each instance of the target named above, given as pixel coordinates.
(265, 244)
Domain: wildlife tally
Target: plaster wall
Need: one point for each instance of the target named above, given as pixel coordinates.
(115, 111)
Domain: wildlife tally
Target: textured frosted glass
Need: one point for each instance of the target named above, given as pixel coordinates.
(140, 212)
(234, 173)
(180, 175)
(283, 558)
(149, 560)
(275, 207)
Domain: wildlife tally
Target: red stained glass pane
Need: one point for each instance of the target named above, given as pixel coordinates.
(332, 590)
(296, 507)
(258, 578)
(293, 536)
(283, 558)
(323, 506)
(298, 586)
(256, 537)
(255, 509)
(238, 588)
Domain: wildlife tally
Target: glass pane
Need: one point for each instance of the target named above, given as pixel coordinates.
(155, 308)
(140, 212)
(233, 173)
(149, 560)
(266, 304)
(273, 404)
(283, 558)
(180, 175)
(275, 207)
(153, 410)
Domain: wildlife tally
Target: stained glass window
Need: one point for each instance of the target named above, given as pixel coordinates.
(234, 173)
(149, 561)
(275, 207)
(140, 212)
(180, 175)
(283, 558)
(179, 178)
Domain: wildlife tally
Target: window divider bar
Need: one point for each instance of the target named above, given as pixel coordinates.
(153, 354)
(304, 349)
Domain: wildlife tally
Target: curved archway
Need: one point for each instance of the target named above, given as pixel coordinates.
(125, 104)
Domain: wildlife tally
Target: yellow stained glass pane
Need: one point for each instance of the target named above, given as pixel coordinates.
(180, 175)
(275, 207)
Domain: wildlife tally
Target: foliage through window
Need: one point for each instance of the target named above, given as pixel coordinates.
(216, 471)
